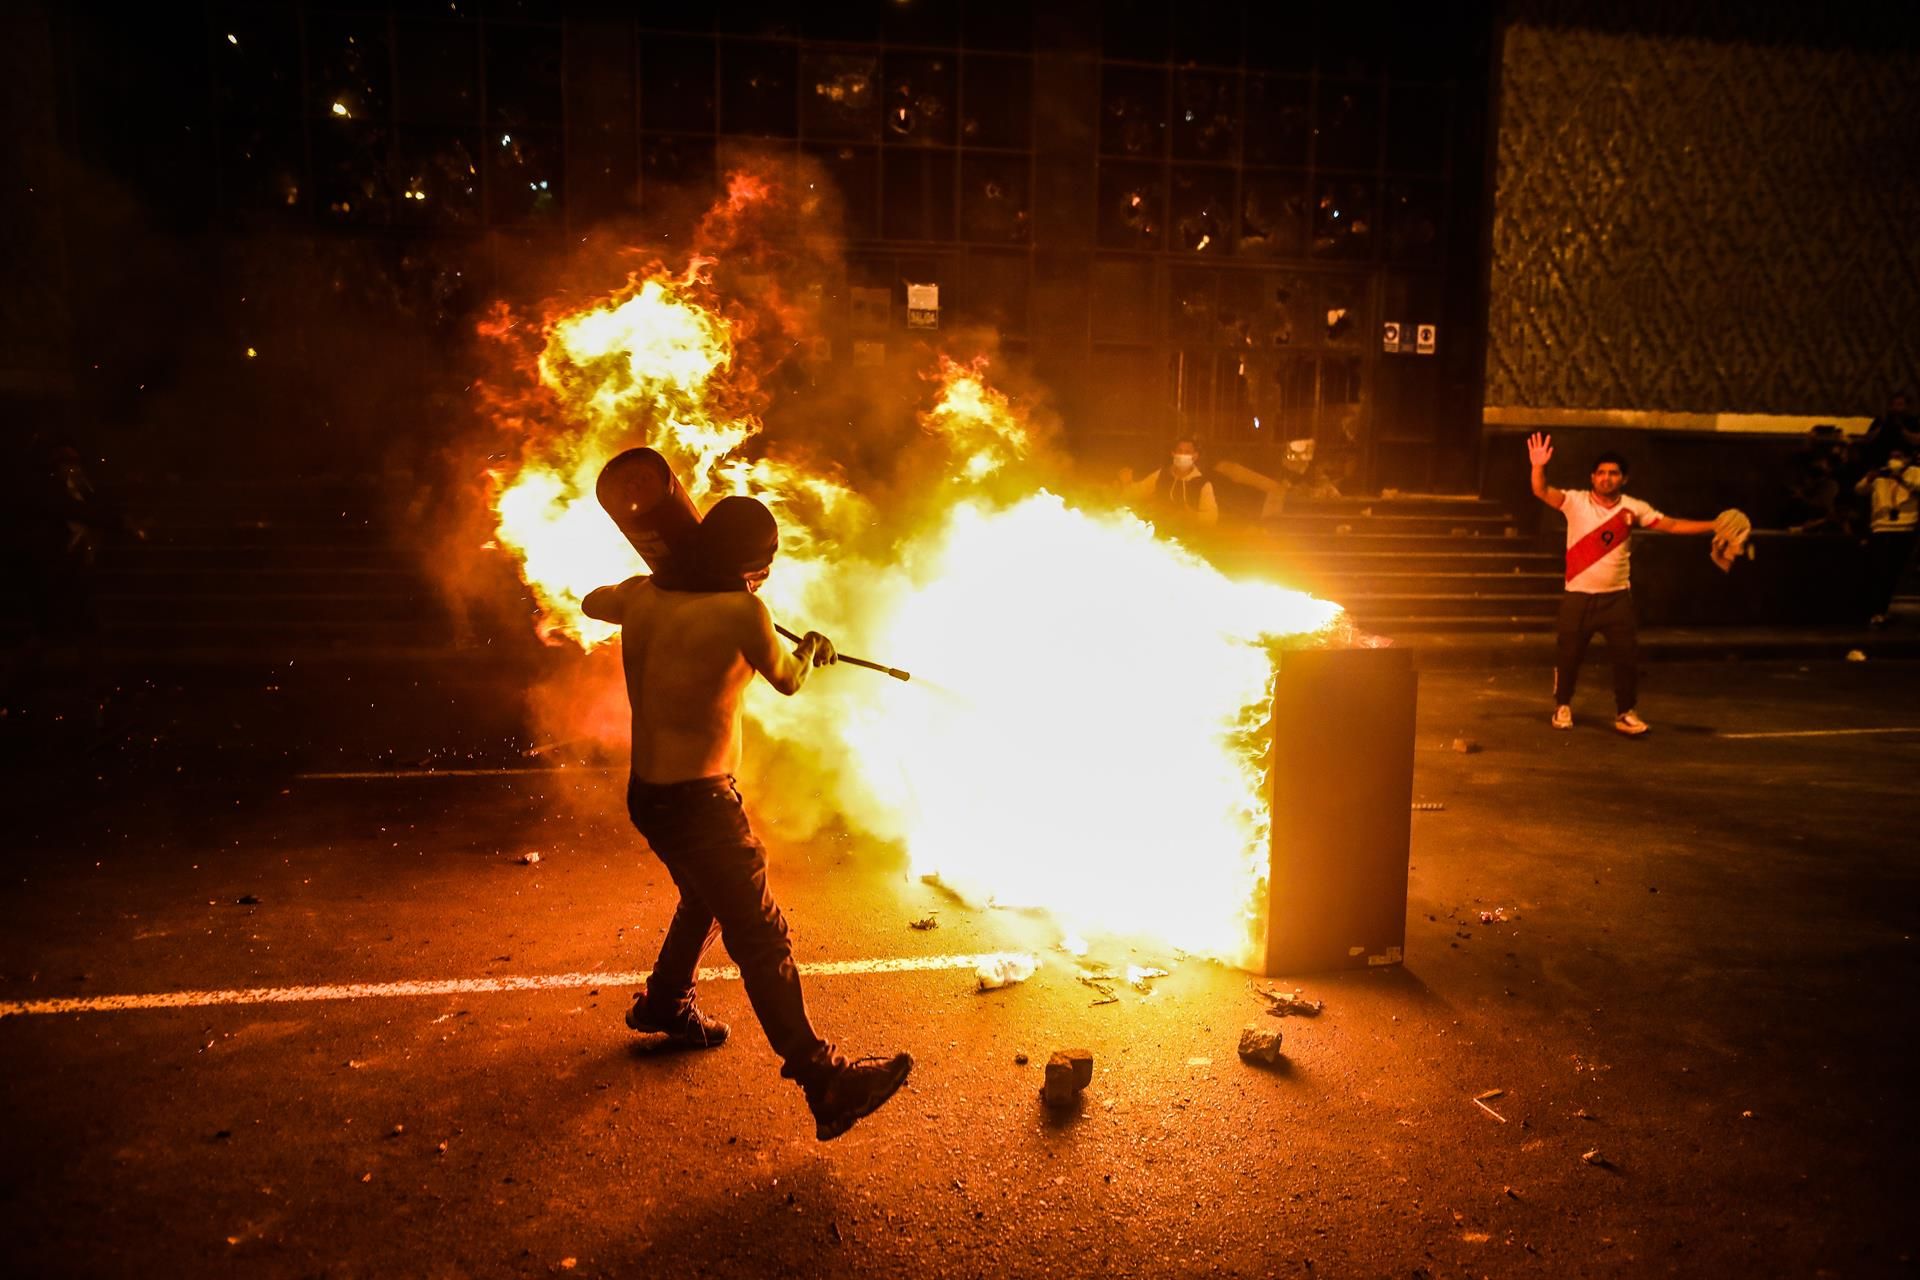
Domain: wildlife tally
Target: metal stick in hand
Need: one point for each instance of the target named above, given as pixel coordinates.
(895, 672)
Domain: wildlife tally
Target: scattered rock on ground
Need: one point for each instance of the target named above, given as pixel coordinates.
(1068, 1072)
(1260, 1045)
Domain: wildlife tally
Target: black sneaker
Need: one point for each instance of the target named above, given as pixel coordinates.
(691, 1029)
(856, 1090)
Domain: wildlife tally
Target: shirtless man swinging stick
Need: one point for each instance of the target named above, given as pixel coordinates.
(688, 655)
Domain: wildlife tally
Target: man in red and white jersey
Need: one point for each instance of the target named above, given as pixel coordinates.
(1600, 525)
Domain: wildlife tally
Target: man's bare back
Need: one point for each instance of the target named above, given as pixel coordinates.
(688, 656)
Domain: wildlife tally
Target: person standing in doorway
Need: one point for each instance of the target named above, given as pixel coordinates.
(1599, 598)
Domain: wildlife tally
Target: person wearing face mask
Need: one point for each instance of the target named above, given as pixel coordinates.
(1894, 492)
(1179, 494)
(688, 651)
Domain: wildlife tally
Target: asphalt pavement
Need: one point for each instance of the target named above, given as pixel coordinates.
(1685, 963)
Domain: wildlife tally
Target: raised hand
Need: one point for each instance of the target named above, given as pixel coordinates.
(1539, 449)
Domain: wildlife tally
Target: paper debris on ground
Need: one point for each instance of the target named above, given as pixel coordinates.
(1005, 970)
(1139, 976)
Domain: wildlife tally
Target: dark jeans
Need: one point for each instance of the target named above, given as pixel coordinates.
(1611, 614)
(1887, 556)
(699, 830)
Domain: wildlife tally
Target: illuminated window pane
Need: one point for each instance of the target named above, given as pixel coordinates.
(348, 63)
(1343, 219)
(1202, 212)
(352, 172)
(917, 101)
(525, 175)
(1206, 116)
(1132, 205)
(994, 203)
(1273, 215)
(439, 177)
(1133, 112)
(840, 96)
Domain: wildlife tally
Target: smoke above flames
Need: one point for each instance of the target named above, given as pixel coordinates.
(1085, 730)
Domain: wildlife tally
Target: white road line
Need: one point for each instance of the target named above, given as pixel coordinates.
(1821, 733)
(456, 986)
(385, 774)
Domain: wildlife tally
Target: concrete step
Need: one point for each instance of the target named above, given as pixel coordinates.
(1339, 586)
(1363, 541)
(1399, 627)
(1429, 605)
(1482, 526)
(1402, 504)
(1336, 563)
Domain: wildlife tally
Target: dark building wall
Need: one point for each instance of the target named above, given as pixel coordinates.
(1706, 208)
(1187, 217)
(34, 321)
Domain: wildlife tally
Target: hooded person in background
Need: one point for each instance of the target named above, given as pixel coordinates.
(688, 654)
(1178, 494)
(1893, 495)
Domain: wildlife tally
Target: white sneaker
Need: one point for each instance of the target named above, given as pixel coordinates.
(1629, 722)
(1563, 717)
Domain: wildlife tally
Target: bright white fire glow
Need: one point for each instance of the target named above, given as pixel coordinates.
(1086, 737)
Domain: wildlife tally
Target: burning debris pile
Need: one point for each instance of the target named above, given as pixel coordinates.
(1085, 730)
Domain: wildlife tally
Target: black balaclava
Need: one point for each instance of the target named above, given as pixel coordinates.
(736, 539)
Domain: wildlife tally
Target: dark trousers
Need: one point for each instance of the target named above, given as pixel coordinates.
(699, 830)
(1887, 556)
(1611, 614)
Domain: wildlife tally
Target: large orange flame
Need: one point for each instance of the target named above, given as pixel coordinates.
(1085, 730)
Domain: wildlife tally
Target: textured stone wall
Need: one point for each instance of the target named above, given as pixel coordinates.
(1704, 225)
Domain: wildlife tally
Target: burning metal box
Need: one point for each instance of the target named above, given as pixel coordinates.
(1342, 773)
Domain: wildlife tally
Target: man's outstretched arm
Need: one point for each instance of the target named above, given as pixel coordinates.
(764, 652)
(1674, 524)
(1539, 453)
